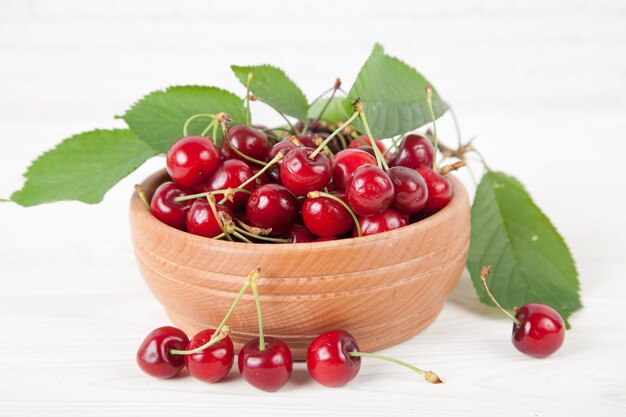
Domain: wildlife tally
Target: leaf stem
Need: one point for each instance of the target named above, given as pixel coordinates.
(484, 273)
(332, 135)
(257, 301)
(248, 114)
(428, 375)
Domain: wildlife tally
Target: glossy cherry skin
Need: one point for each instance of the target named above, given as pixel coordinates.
(410, 188)
(201, 220)
(415, 151)
(298, 233)
(154, 356)
(439, 190)
(214, 362)
(355, 143)
(247, 140)
(301, 174)
(346, 162)
(272, 205)
(267, 369)
(231, 174)
(541, 330)
(191, 160)
(285, 145)
(369, 190)
(164, 208)
(381, 222)
(328, 358)
(325, 217)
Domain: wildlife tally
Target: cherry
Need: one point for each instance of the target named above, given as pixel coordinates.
(325, 216)
(154, 356)
(369, 190)
(439, 190)
(415, 151)
(231, 174)
(346, 162)
(355, 143)
(298, 233)
(272, 206)
(201, 219)
(381, 222)
(213, 363)
(191, 160)
(538, 330)
(283, 144)
(170, 212)
(249, 141)
(268, 177)
(411, 190)
(367, 149)
(302, 172)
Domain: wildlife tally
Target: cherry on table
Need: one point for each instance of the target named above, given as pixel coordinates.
(201, 219)
(170, 212)
(346, 162)
(369, 190)
(381, 222)
(191, 160)
(154, 357)
(213, 363)
(272, 206)
(247, 140)
(411, 190)
(300, 173)
(268, 369)
(416, 151)
(439, 190)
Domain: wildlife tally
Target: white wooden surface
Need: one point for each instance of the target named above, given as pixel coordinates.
(542, 84)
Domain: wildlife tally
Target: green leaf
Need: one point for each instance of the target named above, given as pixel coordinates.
(83, 167)
(273, 86)
(158, 118)
(531, 262)
(393, 96)
(334, 113)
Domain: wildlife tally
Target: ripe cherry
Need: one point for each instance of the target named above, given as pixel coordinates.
(439, 190)
(381, 222)
(283, 144)
(369, 190)
(300, 173)
(410, 188)
(231, 174)
(213, 363)
(154, 356)
(298, 233)
(170, 212)
(365, 141)
(538, 330)
(191, 160)
(201, 219)
(415, 151)
(272, 206)
(326, 217)
(346, 162)
(247, 140)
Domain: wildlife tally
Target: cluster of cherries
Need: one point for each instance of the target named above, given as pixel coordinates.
(333, 358)
(264, 186)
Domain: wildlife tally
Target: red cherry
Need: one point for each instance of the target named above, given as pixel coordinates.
(154, 356)
(326, 217)
(301, 174)
(369, 190)
(164, 208)
(540, 331)
(283, 144)
(307, 141)
(214, 362)
(267, 369)
(298, 233)
(247, 140)
(231, 174)
(328, 358)
(201, 219)
(346, 162)
(272, 205)
(381, 222)
(191, 160)
(439, 190)
(415, 151)
(355, 143)
(410, 188)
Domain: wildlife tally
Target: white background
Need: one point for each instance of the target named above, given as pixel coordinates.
(542, 84)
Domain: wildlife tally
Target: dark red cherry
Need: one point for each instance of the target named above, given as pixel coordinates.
(355, 143)
(307, 141)
(191, 160)
(381, 222)
(247, 140)
(326, 217)
(439, 190)
(346, 162)
(164, 208)
(314, 126)
(415, 151)
(154, 356)
(301, 174)
(214, 362)
(272, 205)
(367, 149)
(201, 220)
(267, 369)
(328, 358)
(411, 190)
(298, 233)
(541, 330)
(369, 190)
(231, 174)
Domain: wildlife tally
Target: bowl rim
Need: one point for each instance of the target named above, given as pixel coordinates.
(138, 210)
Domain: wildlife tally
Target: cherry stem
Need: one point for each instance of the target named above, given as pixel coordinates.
(142, 195)
(320, 194)
(220, 223)
(240, 236)
(194, 117)
(429, 101)
(394, 145)
(213, 125)
(237, 151)
(484, 273)
(293, 129)
(482, 158)
(318, 98)
(332, 135)
(257, 231)
(215, 337)
(221, 235)
(257, 301)
(208, 193)
(358, 106)
(248, 114)
(261, 237)
(457, 127)
(428, 375)
(332, 95)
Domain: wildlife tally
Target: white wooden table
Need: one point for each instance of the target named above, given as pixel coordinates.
(543, 86)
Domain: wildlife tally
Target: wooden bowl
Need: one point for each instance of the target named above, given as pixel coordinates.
(382, 288)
